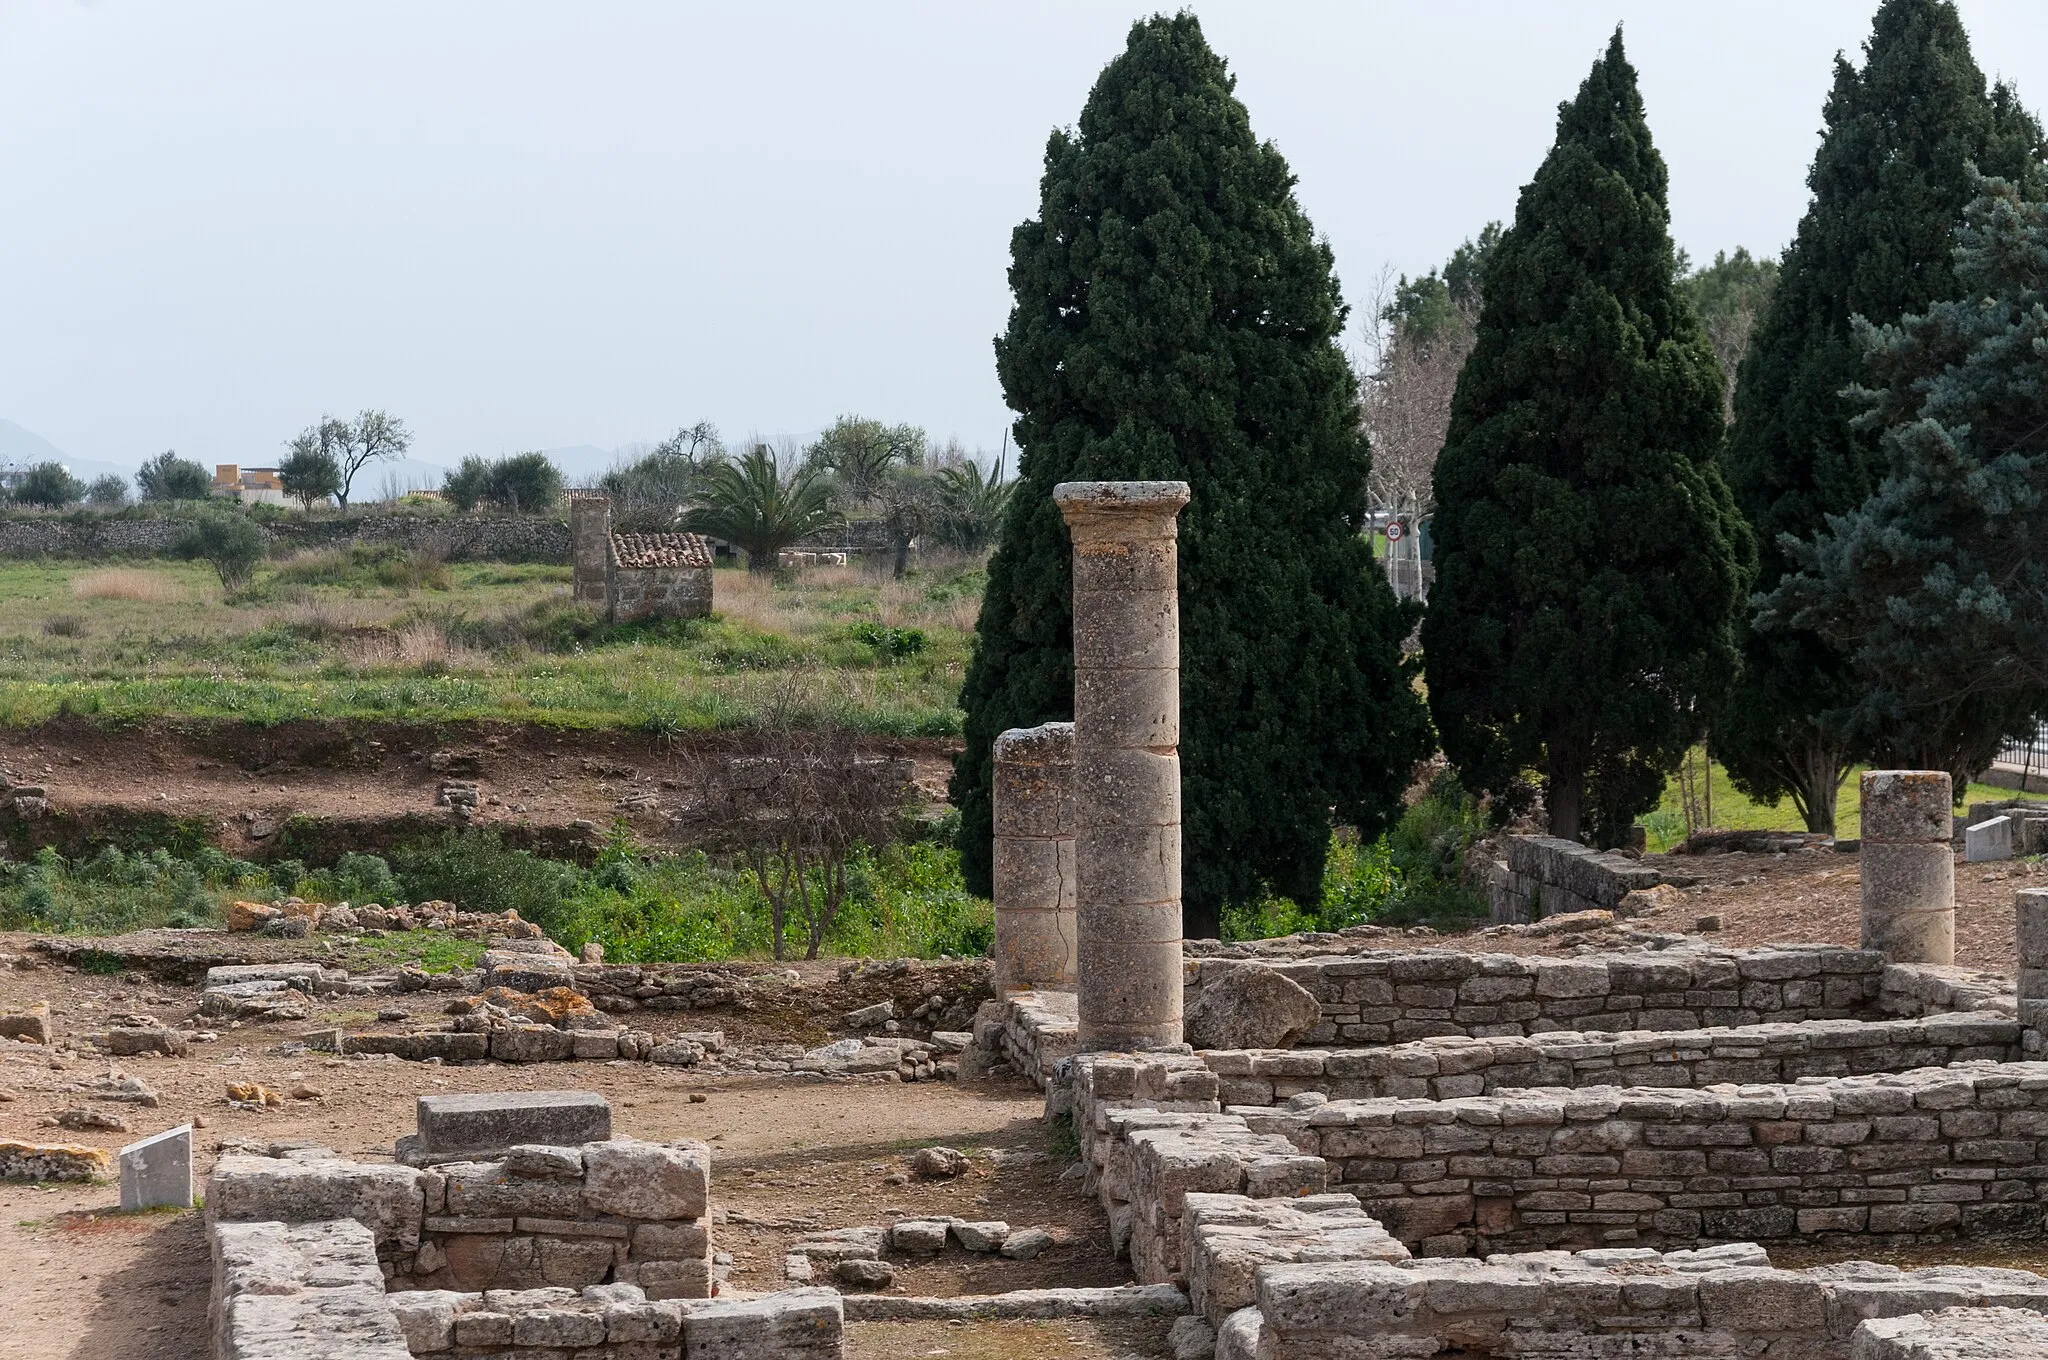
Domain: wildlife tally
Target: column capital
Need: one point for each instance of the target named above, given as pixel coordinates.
(1097, 510)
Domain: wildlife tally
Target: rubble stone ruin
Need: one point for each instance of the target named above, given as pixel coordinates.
(635, 576)
(1127, 759)
(1908, 867)
(1035, 887)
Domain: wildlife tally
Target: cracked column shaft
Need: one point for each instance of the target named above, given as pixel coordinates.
(1034, 858)
(1126, 759)
(1908, 867)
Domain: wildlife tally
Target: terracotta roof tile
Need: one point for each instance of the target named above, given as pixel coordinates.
(641, 551)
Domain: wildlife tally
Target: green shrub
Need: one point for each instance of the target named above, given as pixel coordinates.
(890, 644)
(365, 565)
(229, 542)
(478, 872)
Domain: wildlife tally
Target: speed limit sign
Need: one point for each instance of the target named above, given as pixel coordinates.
(1394, 532)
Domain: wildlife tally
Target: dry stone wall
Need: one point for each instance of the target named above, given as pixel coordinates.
(1547, 876)
(465, 538)
(1441, 1069)
(1909, 1157)
(1676, 1305)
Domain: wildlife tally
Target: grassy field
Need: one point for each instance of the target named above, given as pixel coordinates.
(370, 634)
(1734, 812)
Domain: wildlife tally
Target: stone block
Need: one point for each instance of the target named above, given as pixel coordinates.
(30, 1023)
(387, 1199)
(797, 1324)
(1906, 805)
(1988, 840)
(157, 1171)
(640, 1180)
(52, 1162)
(491, 1122)
(919, 1236)
(1248, 1005)
(671, 1242)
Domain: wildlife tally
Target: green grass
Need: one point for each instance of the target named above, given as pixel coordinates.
(1665, 827)
(904, 899)
(373, 635)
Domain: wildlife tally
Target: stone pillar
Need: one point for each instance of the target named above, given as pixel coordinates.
(2030, 907)
(1126, 760)
(1909, 871)
(1034, 858)
(590, 547)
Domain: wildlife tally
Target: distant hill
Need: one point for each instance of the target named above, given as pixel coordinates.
(27, 448)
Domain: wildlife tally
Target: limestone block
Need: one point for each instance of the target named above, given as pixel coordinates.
(535, 1043)
(1248, 1005)
(1907, 805)
(427, 1317)
(797, 1324)
(52, 1162)
(387, 1199)
(496, 1120)
(1989, 840)
(641, 1180)
(919, 1236)
(673, 1241)
(1952, 1334)
(157, 1171)
(2030, 905)
(30, 1023)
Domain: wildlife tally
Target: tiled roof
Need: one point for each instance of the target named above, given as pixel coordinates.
(641, 551)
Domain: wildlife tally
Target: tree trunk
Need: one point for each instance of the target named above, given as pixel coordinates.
(1201, 920)
(1564, 791)
(1818, 771)
(902, 557)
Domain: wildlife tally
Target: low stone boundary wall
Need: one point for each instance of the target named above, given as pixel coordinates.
(1381, 997)
(620, 1211)
(1547, 876)
(1226, 1239)
(1441, 1069)
(1032, 1031)
(1910, 1157)
(288, 1291)
(1681, 1305)
(457, 538)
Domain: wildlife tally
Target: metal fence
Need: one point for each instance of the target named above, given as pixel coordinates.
(2027, 753)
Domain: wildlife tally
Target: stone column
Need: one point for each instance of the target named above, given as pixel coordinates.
(1126, 760)
(2030, 907)
(1908, 869)
(1034, 858)
(590, 548)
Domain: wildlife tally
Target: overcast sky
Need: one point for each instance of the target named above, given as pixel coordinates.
(523, 225)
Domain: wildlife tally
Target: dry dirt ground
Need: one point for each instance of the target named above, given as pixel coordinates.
(789, 1156)
(249, 780)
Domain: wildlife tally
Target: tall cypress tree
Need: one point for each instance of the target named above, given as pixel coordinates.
(1937, 586)
(1176, 317)
(1889, 182)
(1589, 558)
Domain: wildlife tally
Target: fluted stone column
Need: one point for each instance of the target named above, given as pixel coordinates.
(590, 548)
(1908, 868)
(1036, 944)
(1126, 759)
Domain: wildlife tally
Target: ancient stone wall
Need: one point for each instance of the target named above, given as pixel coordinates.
(1905, 1157)
(1547, 876)
(1678, 1305)
(1442, 1069)
(1380, 997)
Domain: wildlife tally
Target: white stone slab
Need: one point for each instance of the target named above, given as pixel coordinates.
(158, 1171)
(1988, 840)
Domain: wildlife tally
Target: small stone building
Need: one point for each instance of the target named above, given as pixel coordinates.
(637, 576)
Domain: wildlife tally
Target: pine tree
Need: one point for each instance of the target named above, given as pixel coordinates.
(1936, 588)
(1176, 317)
(1589, 559)
(1889, 183)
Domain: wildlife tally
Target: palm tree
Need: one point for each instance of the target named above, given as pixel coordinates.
(753, 506)
(971, 504)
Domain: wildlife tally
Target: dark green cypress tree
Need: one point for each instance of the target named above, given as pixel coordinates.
(1589, 559)
(1889, 182)
(1176, 317)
